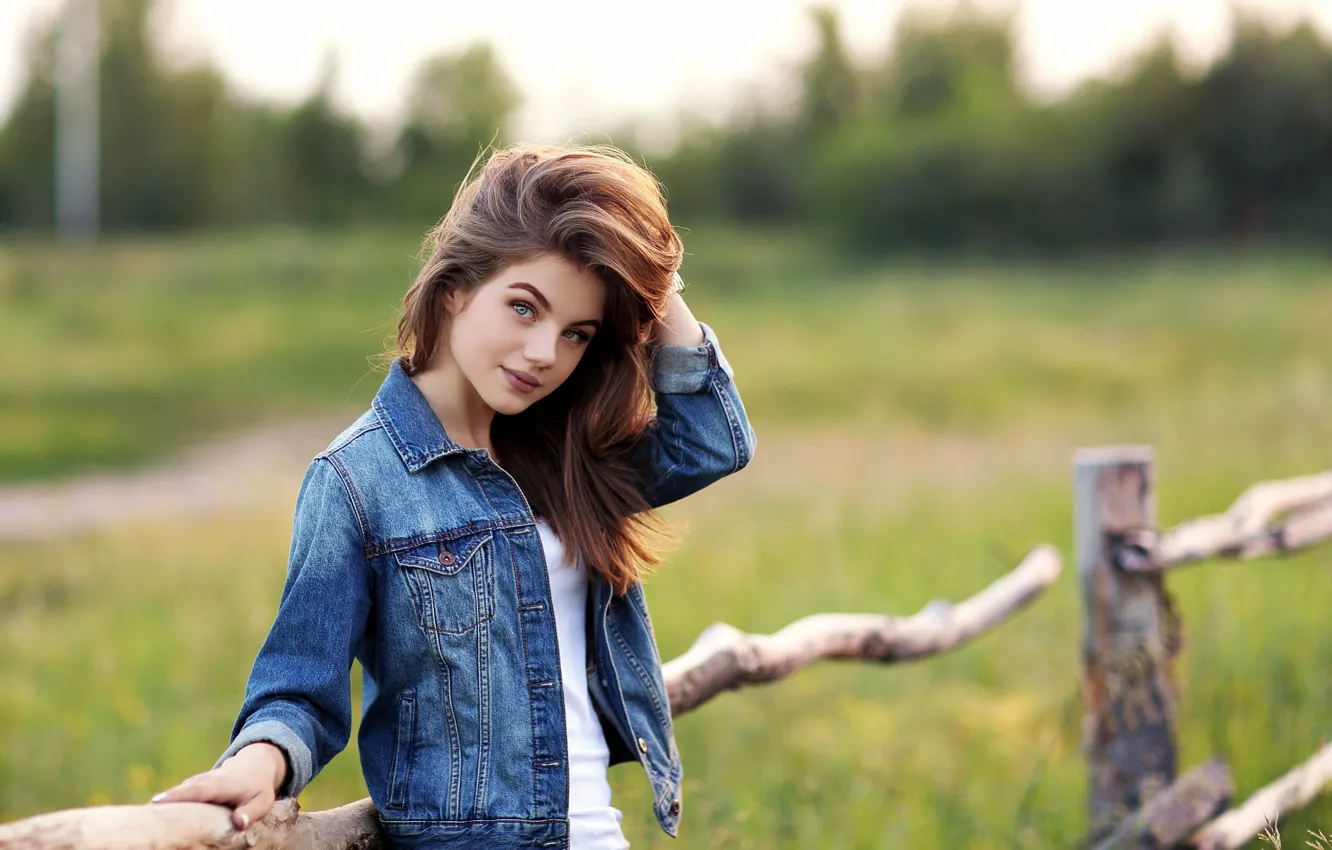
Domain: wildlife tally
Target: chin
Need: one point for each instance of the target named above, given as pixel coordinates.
(508, 404)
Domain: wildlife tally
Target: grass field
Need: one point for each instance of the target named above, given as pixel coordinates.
(915, 427)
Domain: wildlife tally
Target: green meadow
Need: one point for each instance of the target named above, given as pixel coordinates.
(916, 421)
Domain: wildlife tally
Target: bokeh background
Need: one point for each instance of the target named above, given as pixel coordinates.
(944, 245)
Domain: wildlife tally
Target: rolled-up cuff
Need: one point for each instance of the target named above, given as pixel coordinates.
(685, 368)
(300, 765)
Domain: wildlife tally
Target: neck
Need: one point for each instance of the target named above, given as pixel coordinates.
(466, 418)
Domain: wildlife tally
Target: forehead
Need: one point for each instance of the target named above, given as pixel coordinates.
(570, 288)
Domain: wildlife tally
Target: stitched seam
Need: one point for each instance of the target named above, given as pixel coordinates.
(430, 458)
(559, 675)
(433, 565)
(485, 495)
(643, 676)
(398, 787)
(455, 743)
(656, 656)
(483, 720)
(362, 524)
(627, 730)
(350, 438)
(430, 616)
(654, 776)
(522, 637)
(731, 422)
(397, 544)
(403, 452)
(639, 599)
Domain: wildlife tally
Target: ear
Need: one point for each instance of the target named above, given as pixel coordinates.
(454, 301)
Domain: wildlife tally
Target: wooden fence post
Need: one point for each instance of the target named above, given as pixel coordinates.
(1131, 636)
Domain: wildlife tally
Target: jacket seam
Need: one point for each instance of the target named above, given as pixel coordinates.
(406, 456)
(643, 676)
(398, 544)
(731, 423)
(344, 475)
(339, 445)
(522, 639)
(651, 689)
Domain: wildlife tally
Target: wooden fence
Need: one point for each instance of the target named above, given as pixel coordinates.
(1131, 640)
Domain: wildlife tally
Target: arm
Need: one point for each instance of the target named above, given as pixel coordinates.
(701, 433)
(297, 710)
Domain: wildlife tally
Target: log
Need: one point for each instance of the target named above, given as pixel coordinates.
(1292, 791)
(192, 826)
(723, 658)
(1130, 640)
(1177, 812)
(1243, 530)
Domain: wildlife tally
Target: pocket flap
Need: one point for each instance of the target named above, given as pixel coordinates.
(445, 557)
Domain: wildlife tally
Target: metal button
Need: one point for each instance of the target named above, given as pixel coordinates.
(642, 746)
(447, 558)
(675, 807)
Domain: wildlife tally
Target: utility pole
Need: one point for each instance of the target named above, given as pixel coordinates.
(77, 173)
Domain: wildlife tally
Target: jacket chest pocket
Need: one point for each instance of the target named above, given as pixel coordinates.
(451, 582)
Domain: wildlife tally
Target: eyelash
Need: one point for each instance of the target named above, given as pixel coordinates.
(582, 335)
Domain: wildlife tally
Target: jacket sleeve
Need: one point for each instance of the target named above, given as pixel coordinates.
(700, 433)
(299, 693)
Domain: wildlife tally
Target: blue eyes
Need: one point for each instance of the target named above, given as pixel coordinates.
(527, 311)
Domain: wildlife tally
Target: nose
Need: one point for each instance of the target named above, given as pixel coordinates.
(540, 348)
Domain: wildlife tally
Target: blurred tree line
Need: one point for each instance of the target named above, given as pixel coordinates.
(935, 146)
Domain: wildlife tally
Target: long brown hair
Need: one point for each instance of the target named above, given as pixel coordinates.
(569, 452)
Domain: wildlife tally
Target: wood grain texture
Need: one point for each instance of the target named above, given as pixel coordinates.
(1130, 641)
(725, 658)
(1292, 791)
(1245, 530)
(1176, 813)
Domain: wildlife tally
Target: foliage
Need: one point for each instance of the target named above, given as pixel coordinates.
(935, 146)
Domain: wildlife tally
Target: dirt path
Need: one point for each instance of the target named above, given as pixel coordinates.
(254, 468)
(873, 470)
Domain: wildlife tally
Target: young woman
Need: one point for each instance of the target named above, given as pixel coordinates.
(476, 538)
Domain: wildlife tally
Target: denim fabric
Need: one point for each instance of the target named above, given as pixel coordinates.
(421, 559)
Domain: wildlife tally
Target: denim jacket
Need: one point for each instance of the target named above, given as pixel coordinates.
(420, 559)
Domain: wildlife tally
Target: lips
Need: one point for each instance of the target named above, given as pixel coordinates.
(521, 381)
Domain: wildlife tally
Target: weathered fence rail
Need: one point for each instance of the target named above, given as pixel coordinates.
(722, 658)
(1131, 640)
(1133, 635)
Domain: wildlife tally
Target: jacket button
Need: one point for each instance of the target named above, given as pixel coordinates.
(675, 807)
(447, 559)
(642, 746)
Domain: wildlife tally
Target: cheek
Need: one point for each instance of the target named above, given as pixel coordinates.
(479, 337)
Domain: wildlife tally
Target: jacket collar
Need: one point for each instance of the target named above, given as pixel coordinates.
(410, 423)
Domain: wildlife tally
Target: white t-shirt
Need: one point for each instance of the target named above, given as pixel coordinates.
(594, 824)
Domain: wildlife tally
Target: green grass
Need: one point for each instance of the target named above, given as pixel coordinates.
(916, 423)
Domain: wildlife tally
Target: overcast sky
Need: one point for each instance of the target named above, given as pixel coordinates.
(583, 65)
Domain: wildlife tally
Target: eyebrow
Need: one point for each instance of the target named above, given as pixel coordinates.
(545, 305)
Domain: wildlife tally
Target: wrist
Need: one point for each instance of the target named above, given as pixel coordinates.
(264, 757)
(678, 326)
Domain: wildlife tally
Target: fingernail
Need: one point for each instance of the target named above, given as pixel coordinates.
(158, 798)
(245, 820)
